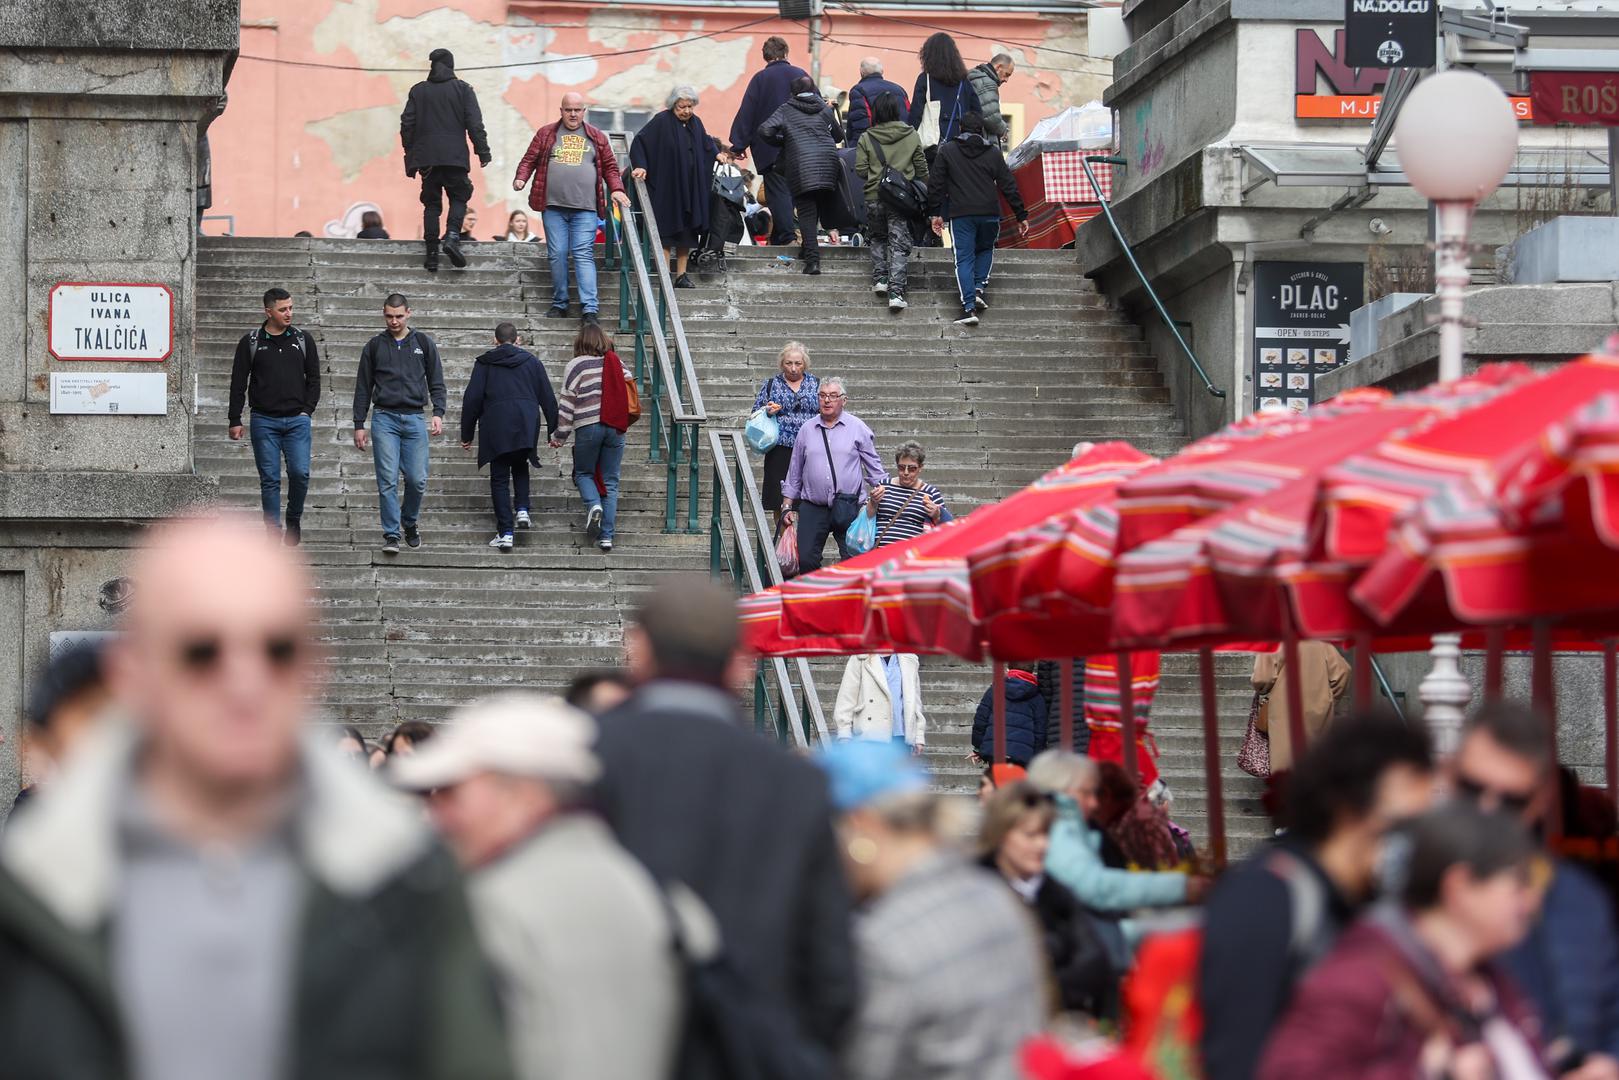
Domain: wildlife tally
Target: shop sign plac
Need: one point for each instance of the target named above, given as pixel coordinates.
(1575, 97)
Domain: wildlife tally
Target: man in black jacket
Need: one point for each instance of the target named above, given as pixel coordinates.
(766, 92)
(277, 371)
(962, 188)
(440, 113)
(755, 839)
(399, 373)
(504, 399)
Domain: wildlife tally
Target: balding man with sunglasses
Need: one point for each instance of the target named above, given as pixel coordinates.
(1569, 962)
(204, 892)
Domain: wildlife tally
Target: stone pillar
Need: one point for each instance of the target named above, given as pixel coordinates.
(99, 112)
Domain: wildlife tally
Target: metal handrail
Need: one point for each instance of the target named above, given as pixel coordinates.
(668, 385)
(1388, 691)
(1124, 245)
(750, 559)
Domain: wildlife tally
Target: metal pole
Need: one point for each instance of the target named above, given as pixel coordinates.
(1610, 717)
(1495, 639)
(1363, 671)
(1295, 694)
(1065, 704)
(1613, 184)
(1127, 715)
(1451, 279)
(815, 45)
(1211, 756)
(999, 697)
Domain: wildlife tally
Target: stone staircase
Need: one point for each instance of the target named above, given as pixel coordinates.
(411, 636)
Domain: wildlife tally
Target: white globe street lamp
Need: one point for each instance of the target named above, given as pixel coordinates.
(1457, 136)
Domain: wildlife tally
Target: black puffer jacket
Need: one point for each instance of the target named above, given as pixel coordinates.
(808, 132)
(439, 116)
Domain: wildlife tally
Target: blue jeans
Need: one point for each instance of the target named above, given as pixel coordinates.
(399, 443)
(593, 445)
(508, 473)
(974, 239)
(571, 234)
(274, 437)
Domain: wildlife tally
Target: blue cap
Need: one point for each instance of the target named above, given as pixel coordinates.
(860, 771)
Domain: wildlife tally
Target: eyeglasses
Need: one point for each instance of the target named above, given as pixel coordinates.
(1512, 802)
(833, 397)
(204, 656)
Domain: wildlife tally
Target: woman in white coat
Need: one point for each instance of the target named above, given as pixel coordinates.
(880, 699)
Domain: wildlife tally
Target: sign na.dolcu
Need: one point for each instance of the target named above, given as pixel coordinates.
(1300, 329)
(109, 320)
(1391, 33)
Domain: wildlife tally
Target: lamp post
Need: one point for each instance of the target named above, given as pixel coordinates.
(1457, 136)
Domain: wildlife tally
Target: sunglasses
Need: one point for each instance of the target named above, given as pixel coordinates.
(907, 468)
(204, 656)
(1510, 801)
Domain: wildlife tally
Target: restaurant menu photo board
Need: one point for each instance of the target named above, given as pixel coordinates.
(1300, 328)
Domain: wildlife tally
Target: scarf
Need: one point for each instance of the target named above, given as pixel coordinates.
(615, 411)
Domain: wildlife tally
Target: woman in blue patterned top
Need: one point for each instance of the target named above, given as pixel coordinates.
(792, 396)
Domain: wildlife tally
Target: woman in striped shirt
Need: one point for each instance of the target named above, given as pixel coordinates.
(910, 507)
(594, 408)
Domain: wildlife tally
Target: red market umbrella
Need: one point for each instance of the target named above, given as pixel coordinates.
(760, 617)
(917, 593)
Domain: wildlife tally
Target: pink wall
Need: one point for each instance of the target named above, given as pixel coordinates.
(304, 147)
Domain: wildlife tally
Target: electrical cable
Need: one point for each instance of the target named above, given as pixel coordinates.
(954, 32)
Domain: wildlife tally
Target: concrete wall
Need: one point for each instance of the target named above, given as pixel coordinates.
(311, 134)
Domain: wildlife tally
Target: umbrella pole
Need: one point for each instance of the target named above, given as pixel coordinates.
(1000, 713)
(1211, 756)
(1610, 710)
(1363, 672)
(1495, 639)
(1127, 715)
(1544, 696)
(1295, 692)
(1065, 697)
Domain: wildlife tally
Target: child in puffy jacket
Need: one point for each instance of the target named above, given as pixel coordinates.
(1025, 718)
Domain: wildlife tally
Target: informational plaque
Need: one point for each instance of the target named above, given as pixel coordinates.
(108, 393)
(1391, 33)
(105, 320)
(1301, 328)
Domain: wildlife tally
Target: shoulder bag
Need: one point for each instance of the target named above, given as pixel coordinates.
(907, 198)
(929, 131)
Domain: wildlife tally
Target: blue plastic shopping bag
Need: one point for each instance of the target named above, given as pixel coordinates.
(761, 431)
(862, 535)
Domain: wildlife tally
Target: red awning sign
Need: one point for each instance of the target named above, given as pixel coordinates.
(1575, 97)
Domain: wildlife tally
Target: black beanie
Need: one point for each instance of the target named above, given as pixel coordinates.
(442, 56)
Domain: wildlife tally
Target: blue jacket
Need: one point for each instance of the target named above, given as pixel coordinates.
(1075, 859)
(1568, 965)
(1025, 723)
(857, 114)
(508, 391)
(767, 91)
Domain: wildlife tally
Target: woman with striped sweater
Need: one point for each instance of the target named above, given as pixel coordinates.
(594, 408)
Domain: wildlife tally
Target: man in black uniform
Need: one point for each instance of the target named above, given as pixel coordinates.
(277, 371)
(440, 114)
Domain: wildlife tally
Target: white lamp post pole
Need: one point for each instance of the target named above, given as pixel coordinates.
(1457, 136)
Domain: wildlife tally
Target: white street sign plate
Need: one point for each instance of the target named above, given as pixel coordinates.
(109, 393)
(99, 320)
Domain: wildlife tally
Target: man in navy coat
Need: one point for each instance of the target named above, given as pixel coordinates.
(503, 402)
(767, 91)
(864, 94)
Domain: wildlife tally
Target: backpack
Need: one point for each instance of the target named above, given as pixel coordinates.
(730, 1031)
(907, 198)
(297, 339)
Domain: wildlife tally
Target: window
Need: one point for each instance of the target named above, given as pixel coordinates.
(629, 120)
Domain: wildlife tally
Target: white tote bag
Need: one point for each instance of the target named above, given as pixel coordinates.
(929, 131)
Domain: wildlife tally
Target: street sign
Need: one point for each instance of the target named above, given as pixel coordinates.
(1301, 328)
(1391, 33)
(109, 393)
(110, 320)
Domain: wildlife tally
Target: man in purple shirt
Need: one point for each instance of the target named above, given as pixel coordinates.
(822, 492)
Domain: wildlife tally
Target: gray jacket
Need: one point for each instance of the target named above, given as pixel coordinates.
(988, 88)
(582, 949)
(398, 380)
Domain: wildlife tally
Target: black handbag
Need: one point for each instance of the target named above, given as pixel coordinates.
(729, 187)
(907, 198)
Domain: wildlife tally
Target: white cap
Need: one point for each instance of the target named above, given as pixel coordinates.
(518, 734)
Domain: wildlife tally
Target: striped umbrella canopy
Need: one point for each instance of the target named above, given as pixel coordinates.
(915, 596)
(1244, 570)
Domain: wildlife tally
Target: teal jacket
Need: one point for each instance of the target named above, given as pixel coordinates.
(1075, 859)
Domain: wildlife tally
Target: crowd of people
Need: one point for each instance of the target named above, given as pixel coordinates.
(630, 883)
(899, 171)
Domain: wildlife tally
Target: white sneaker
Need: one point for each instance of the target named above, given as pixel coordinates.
(979, 303)
(502, 542)
(896, 302)
(880, 287)
(969, 319)
(605, 545)
(593, 522)
(522, 520)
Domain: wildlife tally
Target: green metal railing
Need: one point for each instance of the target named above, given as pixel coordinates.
(1130, 255)
(671, 400)
(784, 700)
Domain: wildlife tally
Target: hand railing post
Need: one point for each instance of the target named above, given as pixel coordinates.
(657, 434)
(671, 486)
(696, 475)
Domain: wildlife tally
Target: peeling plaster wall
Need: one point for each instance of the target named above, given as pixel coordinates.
(300, 146)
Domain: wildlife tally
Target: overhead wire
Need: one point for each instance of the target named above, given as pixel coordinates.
(957, 32)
